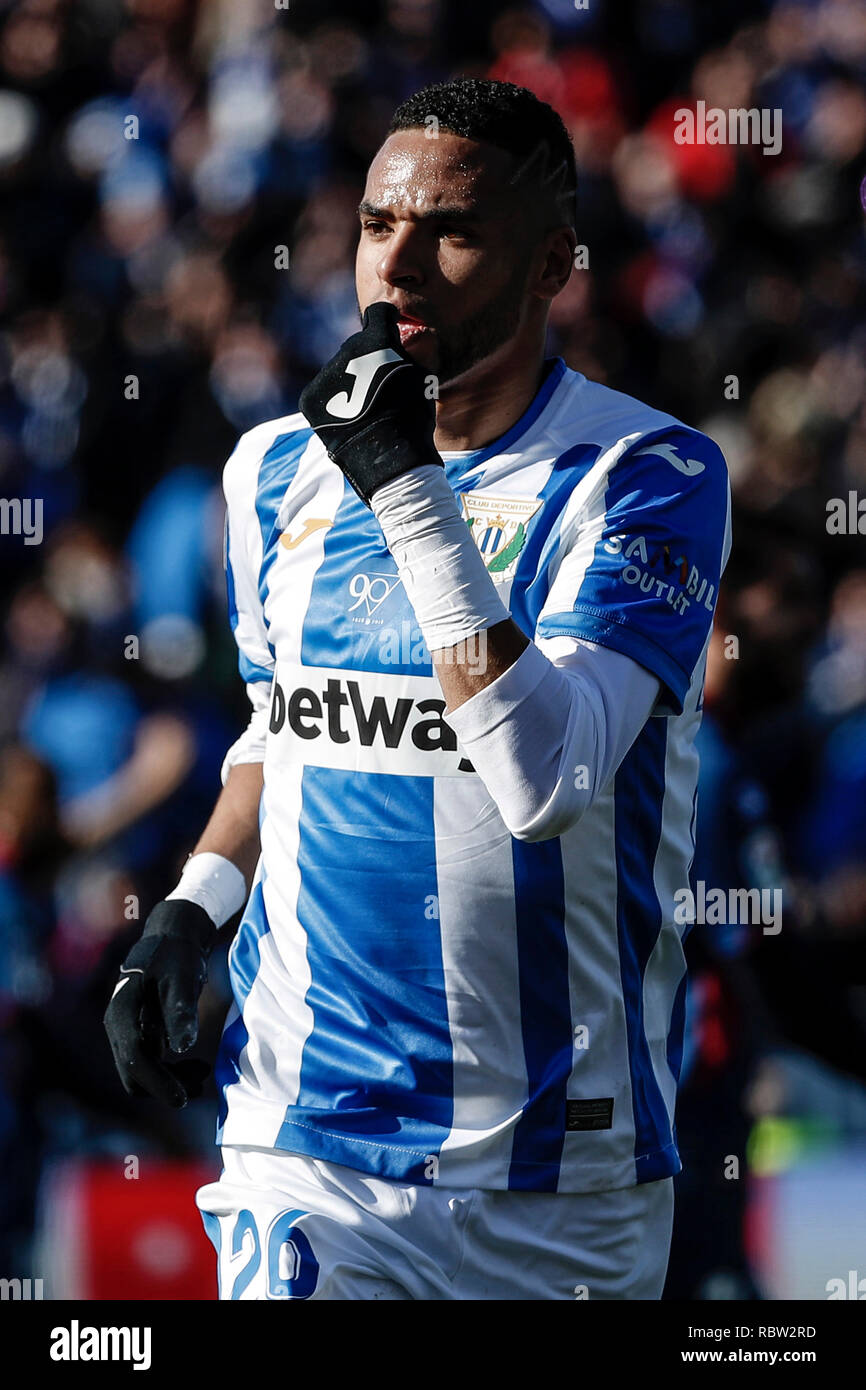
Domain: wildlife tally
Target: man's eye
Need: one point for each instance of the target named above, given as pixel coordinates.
(374, 227)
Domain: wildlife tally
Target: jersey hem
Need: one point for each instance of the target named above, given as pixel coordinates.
(400, 1163)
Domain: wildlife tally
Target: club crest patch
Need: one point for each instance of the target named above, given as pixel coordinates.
(499, 526)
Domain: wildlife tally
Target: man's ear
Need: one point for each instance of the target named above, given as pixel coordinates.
(556, 262)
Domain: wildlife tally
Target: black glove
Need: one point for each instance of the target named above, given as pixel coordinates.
(154, 1009)
(369, 407)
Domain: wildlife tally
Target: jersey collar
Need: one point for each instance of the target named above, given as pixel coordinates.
(555, 370)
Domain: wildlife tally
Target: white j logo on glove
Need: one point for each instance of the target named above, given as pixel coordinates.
(363, 369)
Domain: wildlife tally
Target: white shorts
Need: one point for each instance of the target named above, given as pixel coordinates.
(287, 1226)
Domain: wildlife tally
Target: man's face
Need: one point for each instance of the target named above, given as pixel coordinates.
(443, 238)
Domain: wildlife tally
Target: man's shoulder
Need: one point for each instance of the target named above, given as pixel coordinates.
(242, 469)
(590, 413)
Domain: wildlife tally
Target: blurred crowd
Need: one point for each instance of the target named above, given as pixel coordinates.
(177, 226)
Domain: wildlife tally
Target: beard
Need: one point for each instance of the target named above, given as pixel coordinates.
(469, 342)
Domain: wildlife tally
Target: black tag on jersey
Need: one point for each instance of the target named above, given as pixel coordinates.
(589, 1114)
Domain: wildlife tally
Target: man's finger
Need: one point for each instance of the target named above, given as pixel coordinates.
(192, 1073)
(139, 1070)
(178, 997)
(381, 319)
(122, 1018)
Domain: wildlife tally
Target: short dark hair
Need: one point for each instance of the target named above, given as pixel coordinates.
(510, 117)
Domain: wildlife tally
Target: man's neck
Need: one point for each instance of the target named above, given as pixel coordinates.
(485, 402)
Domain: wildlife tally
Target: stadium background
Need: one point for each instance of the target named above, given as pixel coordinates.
(145, 324)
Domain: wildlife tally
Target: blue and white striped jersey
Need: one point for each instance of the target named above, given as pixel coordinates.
(419, 994)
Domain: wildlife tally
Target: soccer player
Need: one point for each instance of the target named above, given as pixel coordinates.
(472, 593)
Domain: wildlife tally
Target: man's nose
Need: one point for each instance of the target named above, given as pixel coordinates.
(401, 260)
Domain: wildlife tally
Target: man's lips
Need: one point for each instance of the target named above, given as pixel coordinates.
(410, 328)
